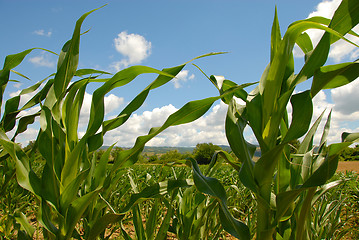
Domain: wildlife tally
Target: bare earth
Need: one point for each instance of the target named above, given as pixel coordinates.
(348, 166)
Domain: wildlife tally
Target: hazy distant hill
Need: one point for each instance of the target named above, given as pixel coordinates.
(162, 150)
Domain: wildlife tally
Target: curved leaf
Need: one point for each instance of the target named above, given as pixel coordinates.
(333, 76)
(301, 117)
(214, 188)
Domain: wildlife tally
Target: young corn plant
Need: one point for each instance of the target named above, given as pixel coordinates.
(285, 185)
(73, 189)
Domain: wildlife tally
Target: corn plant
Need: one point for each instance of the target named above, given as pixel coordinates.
(73, 189)
(285, 185)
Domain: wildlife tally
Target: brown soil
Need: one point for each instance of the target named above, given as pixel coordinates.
(348, 166)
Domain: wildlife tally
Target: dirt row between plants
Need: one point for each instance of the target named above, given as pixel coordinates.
(348, 166)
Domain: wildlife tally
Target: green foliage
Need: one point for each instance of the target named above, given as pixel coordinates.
(286, 185)
(204, 151)
(153, 158)
(173, 156)
(350, 154)
(81, 192)
(75, 180)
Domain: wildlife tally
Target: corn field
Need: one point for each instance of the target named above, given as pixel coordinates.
(286, 194)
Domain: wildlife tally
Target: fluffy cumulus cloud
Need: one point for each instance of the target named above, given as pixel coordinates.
(339, 50)
(343, 119)
(42, 32)
(43, 60)
(182, 77)
(346, 100)
(209, 128)
(134, 47)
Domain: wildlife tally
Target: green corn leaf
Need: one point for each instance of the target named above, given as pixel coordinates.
(20, 74)
(236, 228)
(228, 158)
(125, 235)
(69, 58)
(99, 174)
(11, 61)
(50, 187)
(264, 169)
(156, 190)
(345, 17)
(71, 113)
(152, 221)
(70, 193)
(9, 119)
(254, 116)
(119, 79)
(276, 37)
(268, 137)
(40, 96)
(137, 222)
(305, 43)
(45, 217)
(278, 67)
(21, 218)
(83, 72)
(301, 117)
(162, 232)
(304, 147)
(285, 199)
(140, 98)
(244, 151)
(283, 174)
(333, 76)
(102, 223)
(323, 139)
(328, 167)
(21, 162)
(11, 107)
(325, 188)
(75, 211)
(350, 137)
(343, 21)
(214, 188)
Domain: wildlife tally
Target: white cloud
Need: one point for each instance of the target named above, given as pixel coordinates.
(17, 85)
(339, 50)
(346, 99)
(43, 60)
(29, 135)
(134, 47)
(182, 77)
(209, 128)
(42, 32)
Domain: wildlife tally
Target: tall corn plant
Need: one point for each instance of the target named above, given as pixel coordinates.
(285, 185)
(72, 188)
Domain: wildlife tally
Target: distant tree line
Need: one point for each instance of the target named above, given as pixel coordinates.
(202, 153)
(350, 154)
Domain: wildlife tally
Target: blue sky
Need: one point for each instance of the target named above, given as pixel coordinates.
(164, 34)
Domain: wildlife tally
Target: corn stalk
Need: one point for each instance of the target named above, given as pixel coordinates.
(285, 184)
